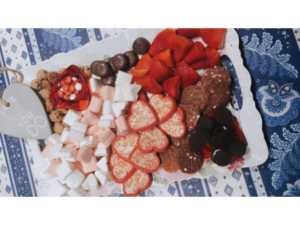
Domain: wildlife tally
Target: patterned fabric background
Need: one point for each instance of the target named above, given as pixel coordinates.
(272, 58)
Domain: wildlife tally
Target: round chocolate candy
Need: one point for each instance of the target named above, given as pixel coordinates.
(141, 46)
(110, 61)
(110, 80)
(199, 138)
(220, 157)
(101, 68)
(237, 148)
(221, 140)
(121, 62)
(133, 58)
(223, 116)
(205, 122)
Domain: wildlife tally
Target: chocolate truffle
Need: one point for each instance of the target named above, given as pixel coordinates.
(141, 46)
(110, 80)
(223, 116)
(110, 61)
(133, 58)
(101, 68)
(237, 148)
(121, 62)
(220, 157)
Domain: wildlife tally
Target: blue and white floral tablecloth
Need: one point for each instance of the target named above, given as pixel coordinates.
(272, 57)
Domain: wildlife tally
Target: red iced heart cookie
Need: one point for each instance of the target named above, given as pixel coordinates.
(147, 162)
(152, 139)
(165, 106)
(142, 116)
(123, 145)
(120, 170)
(175, 126)
(138, 182)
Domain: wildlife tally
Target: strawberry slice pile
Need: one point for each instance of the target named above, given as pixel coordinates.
(170, 64)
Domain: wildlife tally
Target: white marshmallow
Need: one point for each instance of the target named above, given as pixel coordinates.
(57, 189)
(118, 94)
(64, 135)
(79, 126)
(76, 192)
(54, 138)
(107, 107)
(43, 165)
(123, 78)
(101, 150)
(102, 176)
(68, 154)
(75, 179)
(54, 149)
(102, 164)
(41, 176)
(89, 141)
(76, 134)
(72, 116)
(131, 92)
(90, 183)
(95, 85)
(107, 121)
(119, 108)
(64, 170)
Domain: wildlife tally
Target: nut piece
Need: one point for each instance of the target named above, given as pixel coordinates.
(56, 116)
(86, 70)
(46, 84)
(42, 74)
(64, 111)
(65, 125)
(45, 93)
(52, 76)
(49, 106)
(61, 70)
(58, 128)
(36, 84)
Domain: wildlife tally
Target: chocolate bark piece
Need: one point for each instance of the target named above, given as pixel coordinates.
(223, 116)
(170, 159)
(141, 45)
(189, 163)
(237, 148)
(220, 157)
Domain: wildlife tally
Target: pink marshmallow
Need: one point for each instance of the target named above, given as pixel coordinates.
(108, 93)
(90, 166)
(54, 164)
(121, 123)
(46, 152)
(84, 154)
(95, 104)
(105, 136)
(75, 142)
(78, 166)
(91, 131)
(70, 145)
(89, 118)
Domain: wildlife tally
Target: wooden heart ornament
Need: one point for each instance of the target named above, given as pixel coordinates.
(25, 117)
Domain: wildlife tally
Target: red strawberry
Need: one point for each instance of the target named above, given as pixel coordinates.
(189, 32)
(212, 59)
(149, 84)
(143, 96)
(159, 71)
(137, 74)
(180, 46)
(189, 76)
(166, 57)
(161, 41)
(145, 62)
(196, 53)
(214, 37)
(172, 86)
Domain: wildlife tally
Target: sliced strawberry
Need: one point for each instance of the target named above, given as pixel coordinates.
(166, 57)
(189, 32)
(172, 86)
(214, 37)
(143, 96)
(139, 73)
(180, 46)
(212, 59)
(149, 84)
(189, 76)
(196, 53)
(145, 62)
(159, 71)
(161, 41)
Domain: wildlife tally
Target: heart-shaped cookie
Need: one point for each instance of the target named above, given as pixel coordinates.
(25, 117)
(175, 126)
(152, 139)
(120, 170)
(142, 116)
(123, 145)
(170, 159)
(138, 182)
(147, 162)
(165, 106)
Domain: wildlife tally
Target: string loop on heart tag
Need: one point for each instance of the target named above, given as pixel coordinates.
(19, 79)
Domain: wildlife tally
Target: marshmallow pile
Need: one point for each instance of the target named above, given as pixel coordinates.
(79, 156)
